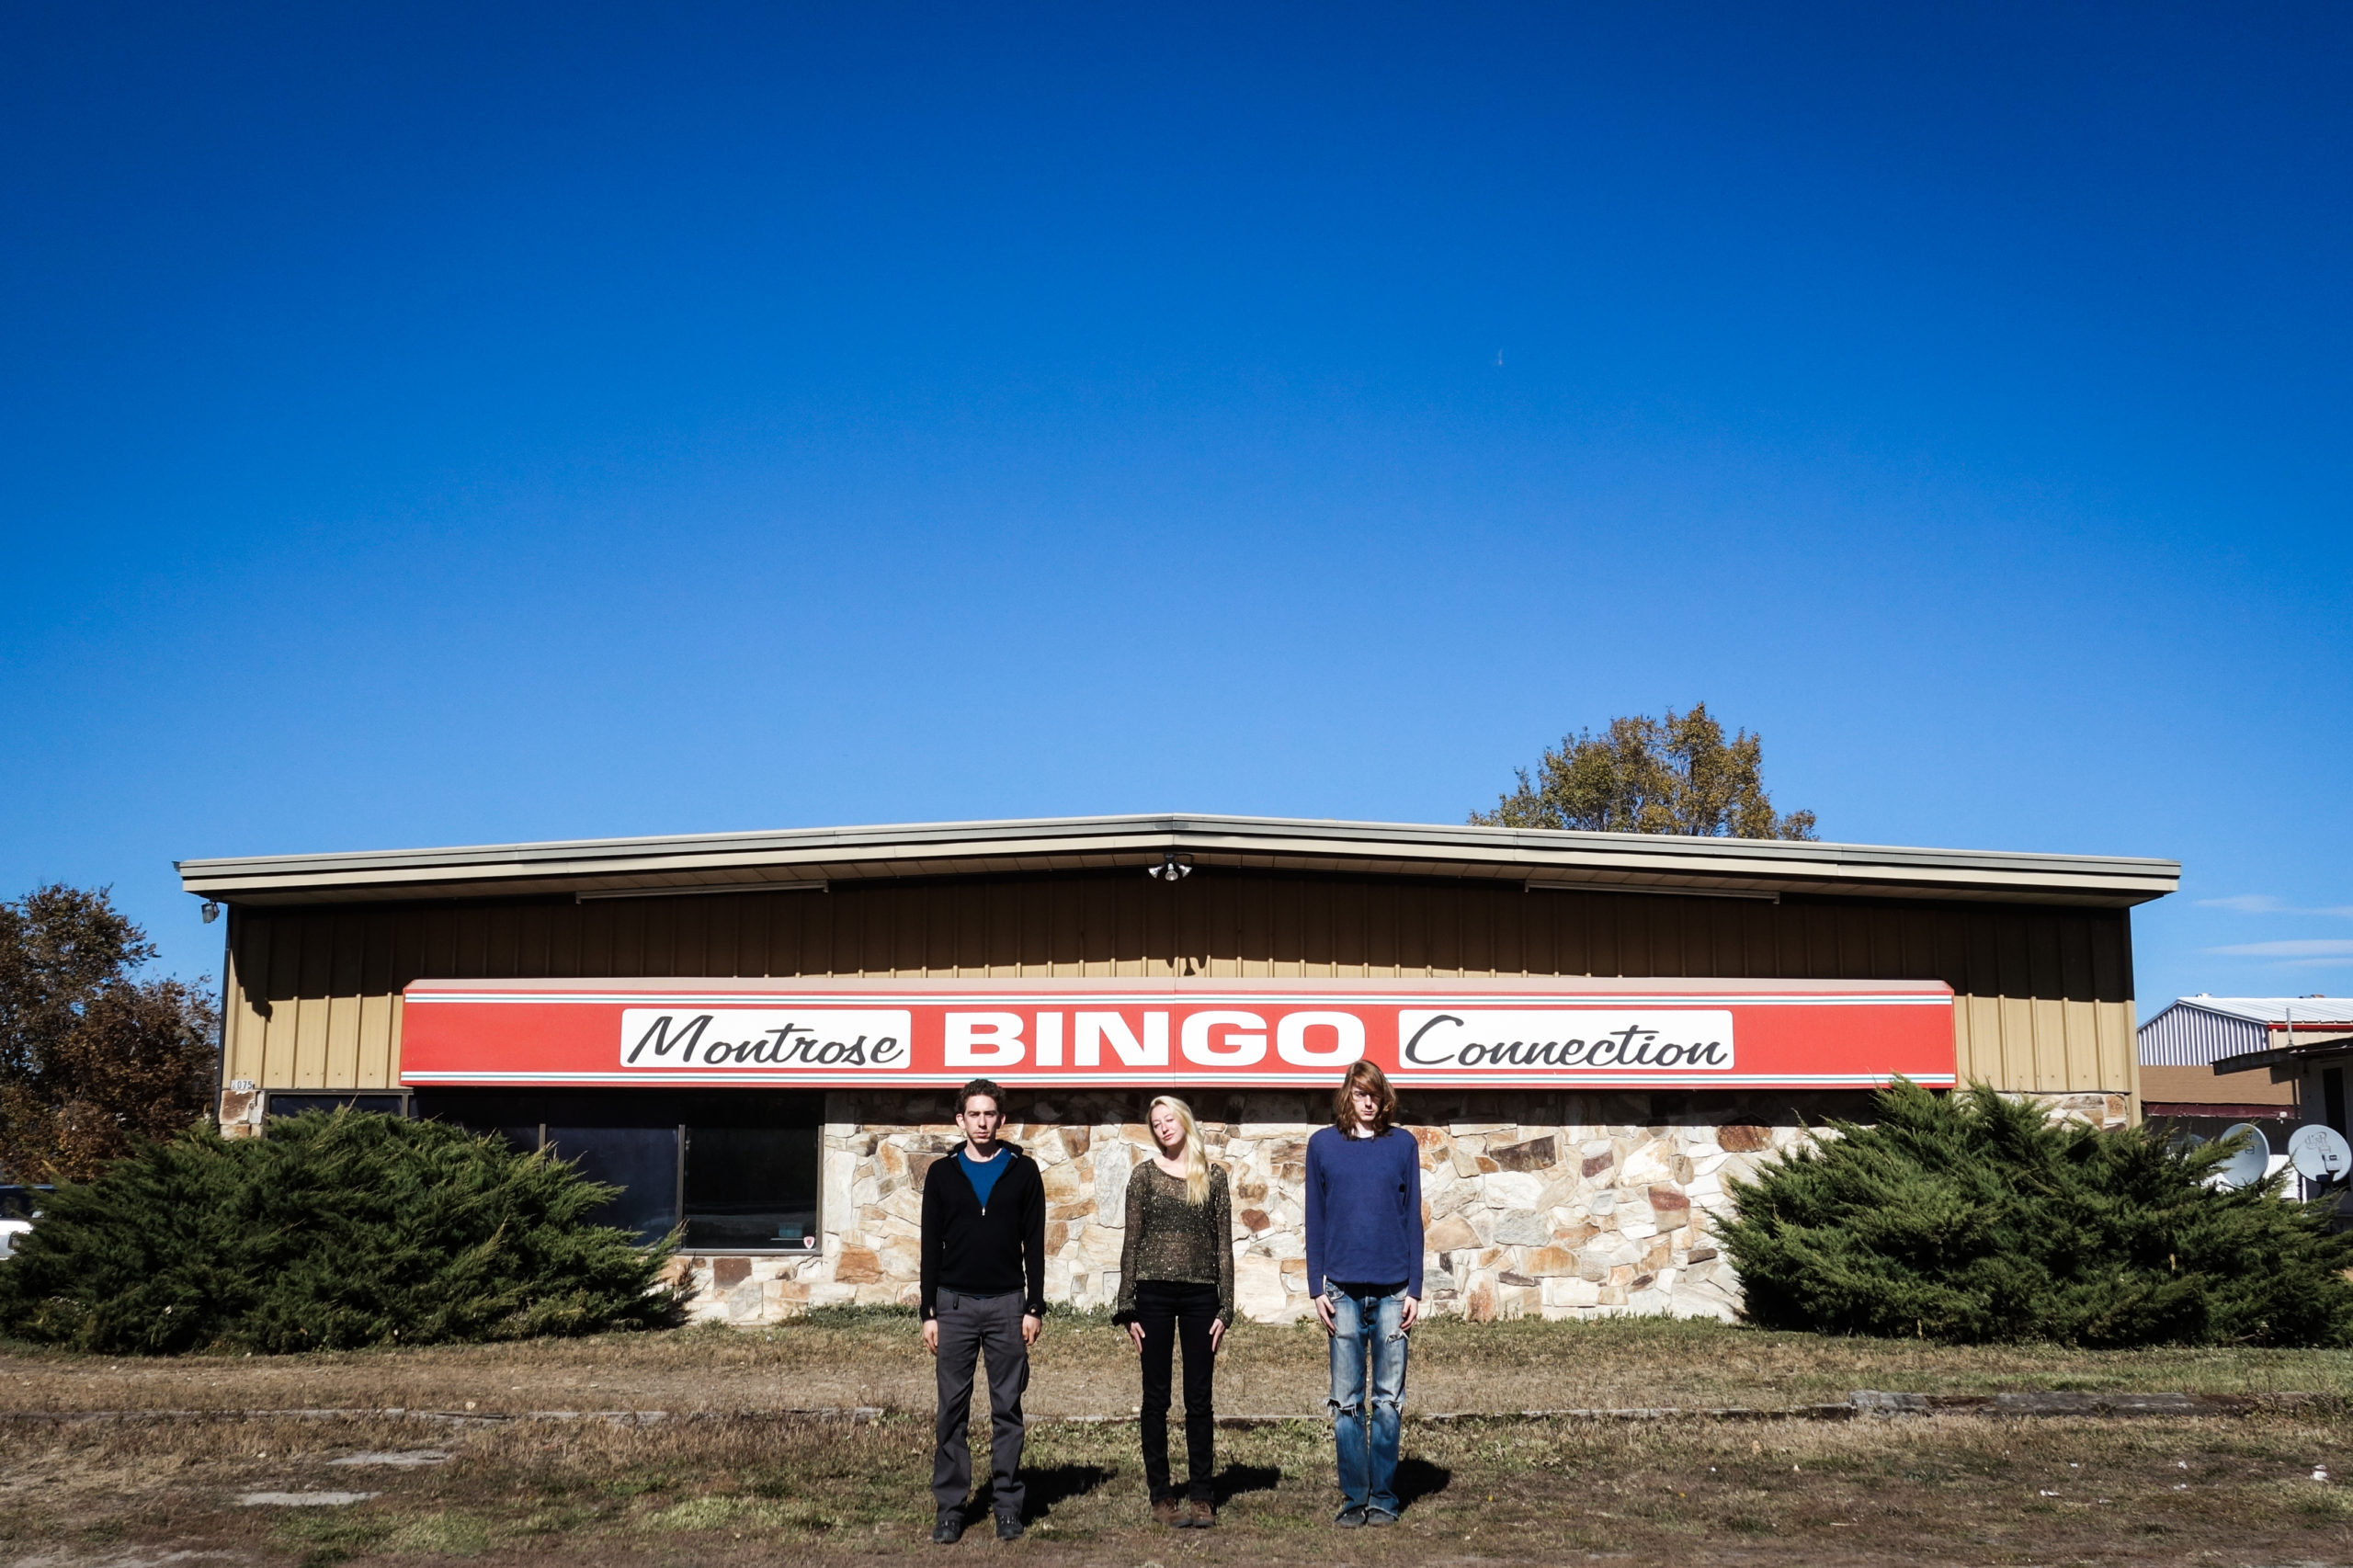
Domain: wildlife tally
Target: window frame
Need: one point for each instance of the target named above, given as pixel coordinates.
(269, 1098)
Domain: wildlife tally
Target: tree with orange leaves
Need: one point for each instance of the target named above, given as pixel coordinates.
(93, 1058)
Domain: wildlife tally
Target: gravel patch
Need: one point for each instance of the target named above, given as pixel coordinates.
(303, 1499)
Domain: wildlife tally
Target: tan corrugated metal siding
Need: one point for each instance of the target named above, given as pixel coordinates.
(2045, 993)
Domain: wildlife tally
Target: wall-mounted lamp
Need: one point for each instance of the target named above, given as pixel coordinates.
(1172, 866)
(211, 912)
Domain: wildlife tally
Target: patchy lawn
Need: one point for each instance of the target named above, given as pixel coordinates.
(744, 1483)
(1083, 1367)
(1946, 1489)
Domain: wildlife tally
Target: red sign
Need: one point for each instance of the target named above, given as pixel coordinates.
(1556, 1034)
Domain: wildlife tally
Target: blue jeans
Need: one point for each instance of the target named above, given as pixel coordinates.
(1368, 1325)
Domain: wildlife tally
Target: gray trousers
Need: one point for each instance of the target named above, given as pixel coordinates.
(970, 1326)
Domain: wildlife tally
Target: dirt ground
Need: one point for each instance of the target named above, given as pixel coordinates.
(1924, 1490)
(741, 1481)
(1083, 1367)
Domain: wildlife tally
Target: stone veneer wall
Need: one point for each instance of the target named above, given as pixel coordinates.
(1536, 1204)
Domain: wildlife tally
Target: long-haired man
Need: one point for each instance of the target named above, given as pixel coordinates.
(1364, 1270)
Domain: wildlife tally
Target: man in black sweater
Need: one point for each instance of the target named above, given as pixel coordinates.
(983, 1290)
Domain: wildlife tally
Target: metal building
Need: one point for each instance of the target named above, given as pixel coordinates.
(1235, 958)
(2284, 1050)
(2179, 1047)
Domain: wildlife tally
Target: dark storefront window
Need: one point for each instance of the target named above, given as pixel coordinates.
(738, 1171)
(750, 1187)
(523, 1137)
(641, 1161)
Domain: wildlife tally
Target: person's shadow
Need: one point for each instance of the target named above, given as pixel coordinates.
(1043, 1488)
(1235, 1479)
(1417, 1479)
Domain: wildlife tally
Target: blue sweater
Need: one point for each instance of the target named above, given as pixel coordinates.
(1364, 1210)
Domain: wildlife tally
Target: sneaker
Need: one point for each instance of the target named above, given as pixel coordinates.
(1165, 1511)
(1351, 1518)
(1007, 1527)
(950, 1527)
(1379, 1517)
(1200, 1516)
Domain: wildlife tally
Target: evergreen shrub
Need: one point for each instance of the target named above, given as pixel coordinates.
(1971, 1218)
(338, 1229)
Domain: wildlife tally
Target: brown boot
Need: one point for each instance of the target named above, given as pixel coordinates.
(1201, 1514)
(1165, 1511)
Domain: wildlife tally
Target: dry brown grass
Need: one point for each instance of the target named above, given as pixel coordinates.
(1933, 1491)
(1083, 1367)
(741, 1484)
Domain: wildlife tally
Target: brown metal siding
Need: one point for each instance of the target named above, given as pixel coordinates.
(2203, 1085)
(2045, 994)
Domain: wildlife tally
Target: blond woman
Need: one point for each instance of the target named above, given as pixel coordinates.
(1177, 1288)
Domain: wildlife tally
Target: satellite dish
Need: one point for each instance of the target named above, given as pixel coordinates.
(2246, 1167)
(2320, 1154)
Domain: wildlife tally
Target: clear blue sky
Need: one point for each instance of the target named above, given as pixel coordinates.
(447, 424)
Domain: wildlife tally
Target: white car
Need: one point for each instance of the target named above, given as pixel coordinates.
(18, 1212)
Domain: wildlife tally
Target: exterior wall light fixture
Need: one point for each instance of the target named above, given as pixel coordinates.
(1172, 866)
(211, 912)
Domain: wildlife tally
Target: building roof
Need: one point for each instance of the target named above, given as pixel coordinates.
(1739, 867)
(2275, 1012)
(2284, 1030)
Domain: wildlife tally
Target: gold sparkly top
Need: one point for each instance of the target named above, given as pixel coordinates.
(1171, 1240)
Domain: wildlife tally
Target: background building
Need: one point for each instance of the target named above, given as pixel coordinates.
(2208, 1062)
(2179, 1047)
(549, 992)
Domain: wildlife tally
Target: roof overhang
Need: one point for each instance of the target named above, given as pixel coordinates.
(2317, 1045)
(813, 858)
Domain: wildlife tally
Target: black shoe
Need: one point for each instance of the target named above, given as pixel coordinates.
(1351, 1518)
(950, 1527)
(1379, 1517)
(1007, 1527)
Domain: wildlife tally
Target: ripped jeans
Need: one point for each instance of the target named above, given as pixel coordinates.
(1368, 1325)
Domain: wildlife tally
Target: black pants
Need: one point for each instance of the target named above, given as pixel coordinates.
(1172, 1314)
